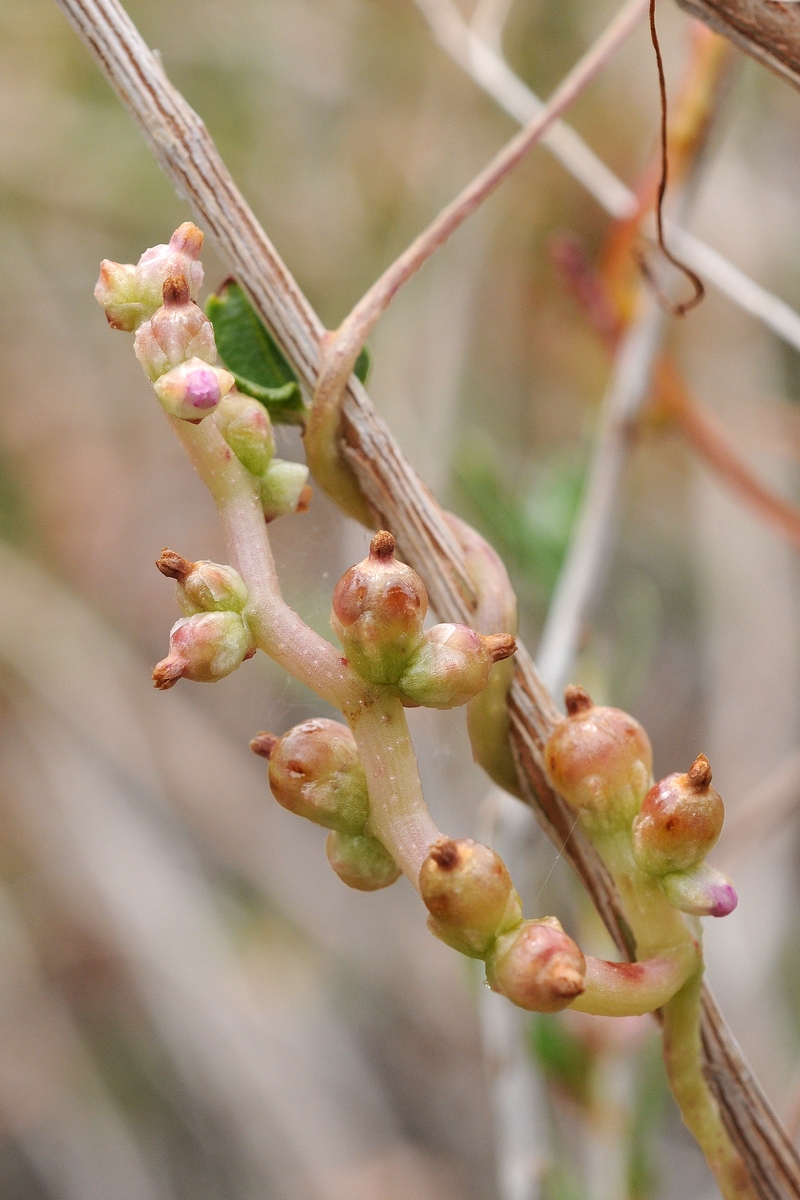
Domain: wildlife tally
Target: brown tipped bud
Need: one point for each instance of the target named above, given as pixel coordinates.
(469, 894)
(283, 489)
(680, 821)
(452, 665)
(576, 699)
(175, 333)
(203, 586)
(173, 565)
(382, 545)
(702, 892)
(246, 427)
(263, 744)
(538, 967)
(379, 606)
(600, 760)
(175, 292)
(315, 772)
(361, 862)
(204, 648)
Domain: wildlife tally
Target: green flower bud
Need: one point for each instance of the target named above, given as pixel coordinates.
(177, 331)
(537, 966)
(315, 772)
(192, 391)
(469, 894)
(600, 760)
(246, 427)
(379, 606)
(452, 665)
(203, 586)
(703, 892)
(284, 489)
(131, 294)
(680, 821)
(204, 648)
(361, 862)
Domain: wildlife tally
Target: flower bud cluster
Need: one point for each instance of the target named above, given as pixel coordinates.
(174, 342)
(599, 760)
(174, 339)
(474, 908)
(315, 772)
(379, 608)
(212, 638)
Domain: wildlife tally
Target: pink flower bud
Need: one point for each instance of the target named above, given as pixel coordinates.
(284, 489)
(537, 966)
(680, 821)
(193, 390)
(600, 760)
(379, 606)
(246, 427)
(177, 331)
(204, 648)
(703, 892)
(130, 295)
(452, 665)
(180, 257)
(469, 894)
(203, 586)
(361, 862)
(315, 772)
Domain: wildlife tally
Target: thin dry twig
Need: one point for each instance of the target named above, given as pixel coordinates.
(358, 324)
(182, 146)
(492, 73)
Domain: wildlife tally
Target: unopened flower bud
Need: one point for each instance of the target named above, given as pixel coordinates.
(246, 427)
(452, 665)
(284, 489)
(203, 586)
(177, 331)
(315, 772)
(538, 967)
(361, 861)
(204, 648)
(469, 894)
(600, 760)
(703, 892)
(131, 294)
(118, 292)
(379, 606)
(193, 390)
(680, 821)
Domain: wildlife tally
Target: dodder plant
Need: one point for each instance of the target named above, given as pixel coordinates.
(360, 779)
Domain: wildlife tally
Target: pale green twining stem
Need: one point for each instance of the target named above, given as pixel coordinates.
(683, 1058)
(277, 629)
(398, 814)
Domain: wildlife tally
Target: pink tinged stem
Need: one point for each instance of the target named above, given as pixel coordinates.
(398, 814)
(357, 326)
(631, 989)
(339, 351)
(277, 628)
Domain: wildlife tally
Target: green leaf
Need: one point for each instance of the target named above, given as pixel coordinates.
(363, 364)
(253, 357)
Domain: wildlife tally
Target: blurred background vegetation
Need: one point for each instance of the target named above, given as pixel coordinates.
(191, 1004)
